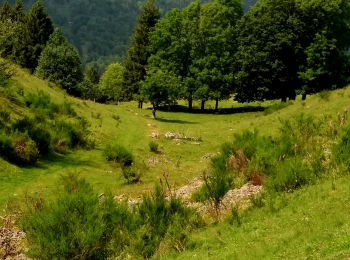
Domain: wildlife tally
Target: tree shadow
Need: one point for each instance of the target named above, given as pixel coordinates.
(225, 111)
(175, 121)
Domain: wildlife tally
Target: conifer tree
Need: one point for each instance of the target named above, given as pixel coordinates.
(92, 74)
(139, 51)
(18, 13)
(34, 35)
(5, 11)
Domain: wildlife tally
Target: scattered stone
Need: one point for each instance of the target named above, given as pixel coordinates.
(11, 243)
(171, 135)
(155, 134)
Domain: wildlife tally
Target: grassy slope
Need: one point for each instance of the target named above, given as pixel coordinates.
(182, 161)
(311, 223)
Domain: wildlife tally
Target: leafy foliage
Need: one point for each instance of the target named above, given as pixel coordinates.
(111, 83)
(60, 63)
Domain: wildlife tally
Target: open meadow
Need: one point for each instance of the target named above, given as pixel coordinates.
(125, 124)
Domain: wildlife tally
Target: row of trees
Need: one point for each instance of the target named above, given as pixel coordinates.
(211, 51)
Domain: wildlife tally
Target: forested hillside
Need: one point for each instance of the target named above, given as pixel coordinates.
(101, 29)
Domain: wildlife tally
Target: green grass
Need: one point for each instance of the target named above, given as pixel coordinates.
(182, 161)
(311, 223)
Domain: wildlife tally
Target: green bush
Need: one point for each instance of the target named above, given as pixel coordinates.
(119, 154)
(77, 225)
(24, 150)
(131, 173)
(160, 218)
(153, 146)
(69, 135)
(42, 138)
(290, 175)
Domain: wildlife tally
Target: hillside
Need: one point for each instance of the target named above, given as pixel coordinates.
(307, 219)
(101, 29)
(134, 129)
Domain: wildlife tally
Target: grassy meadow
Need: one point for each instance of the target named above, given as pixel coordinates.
(311, 222)
(133, 128)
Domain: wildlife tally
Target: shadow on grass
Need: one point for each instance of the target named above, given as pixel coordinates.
(224, 111)
(63, 161)
(175, 121)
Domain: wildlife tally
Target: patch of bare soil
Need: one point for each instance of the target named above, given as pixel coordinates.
(239, 197)
(11, 243)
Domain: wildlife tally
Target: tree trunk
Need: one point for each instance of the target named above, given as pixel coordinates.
(140, 104)
(292, 95)
(202, 104)
(190, 103)
(284, 99)
(303, 97)
(154, 111)
(216, 104)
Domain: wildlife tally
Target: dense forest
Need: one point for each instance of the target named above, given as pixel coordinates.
(101, 29)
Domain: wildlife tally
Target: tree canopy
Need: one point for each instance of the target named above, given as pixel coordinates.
(60, 63)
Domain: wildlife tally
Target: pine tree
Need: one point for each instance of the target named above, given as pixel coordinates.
(18, 13)
(92, 74)
(139, 51)
(34, 35)
(5, 11)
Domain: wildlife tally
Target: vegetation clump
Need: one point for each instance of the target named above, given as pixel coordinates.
(153, 146)
(99, 228)
(119, 154)
(76, 225)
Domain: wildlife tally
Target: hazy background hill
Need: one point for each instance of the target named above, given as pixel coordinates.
(100, 29)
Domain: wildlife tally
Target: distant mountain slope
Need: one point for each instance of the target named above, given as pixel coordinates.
(101, 29)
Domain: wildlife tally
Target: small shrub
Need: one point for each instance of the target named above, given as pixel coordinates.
(119, 154)
(72, 135)
(77, 225)
(153, 146)
(132, 173)
(161, 218)
(24, 150)
(42, 138)
(290, 175)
